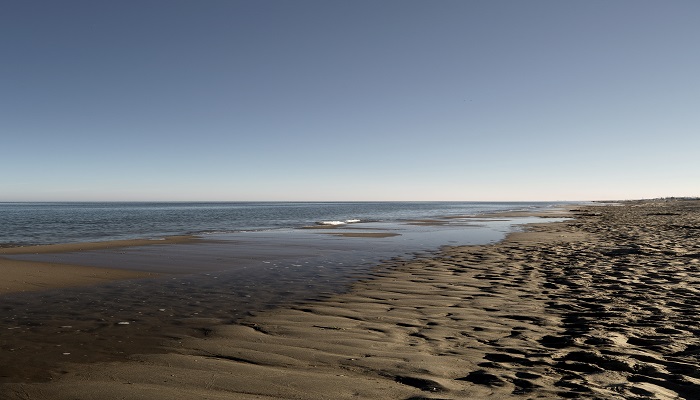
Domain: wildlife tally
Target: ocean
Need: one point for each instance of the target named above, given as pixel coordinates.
(23, 224)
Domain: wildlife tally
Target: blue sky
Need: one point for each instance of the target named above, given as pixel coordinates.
(349, 100)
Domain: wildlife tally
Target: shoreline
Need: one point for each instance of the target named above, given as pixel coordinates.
(604, 305)
(27, 274)
(90, 222)
(188, 291)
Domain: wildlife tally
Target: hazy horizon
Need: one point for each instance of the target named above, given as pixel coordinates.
(349, 101)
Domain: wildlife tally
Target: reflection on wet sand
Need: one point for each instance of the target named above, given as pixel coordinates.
(199, 283)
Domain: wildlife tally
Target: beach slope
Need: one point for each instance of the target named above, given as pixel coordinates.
(605, 305)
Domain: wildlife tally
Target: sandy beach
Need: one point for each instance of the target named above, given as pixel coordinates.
(604, 305)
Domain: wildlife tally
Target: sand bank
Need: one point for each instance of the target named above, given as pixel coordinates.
(365, 234)
(112, 244)
(28, 276)
(602, 306)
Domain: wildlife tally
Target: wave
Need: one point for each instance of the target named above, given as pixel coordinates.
(347, 221)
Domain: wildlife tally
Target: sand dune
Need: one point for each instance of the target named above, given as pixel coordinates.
(601, 306)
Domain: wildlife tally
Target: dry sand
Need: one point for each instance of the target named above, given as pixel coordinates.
(602, 306)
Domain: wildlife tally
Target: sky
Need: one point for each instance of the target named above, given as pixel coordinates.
(224, 100)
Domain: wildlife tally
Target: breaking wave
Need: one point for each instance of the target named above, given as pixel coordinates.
(347, 221)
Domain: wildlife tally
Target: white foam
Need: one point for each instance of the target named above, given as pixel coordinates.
(347, 221)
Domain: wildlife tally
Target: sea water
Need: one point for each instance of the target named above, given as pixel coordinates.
(24, 224)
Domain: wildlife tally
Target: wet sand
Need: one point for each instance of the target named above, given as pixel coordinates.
(364, 234)
(113, 244)
(28, 276)
(602, 306)
(198, 282)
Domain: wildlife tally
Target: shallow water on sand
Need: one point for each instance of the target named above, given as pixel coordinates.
(217, 280)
